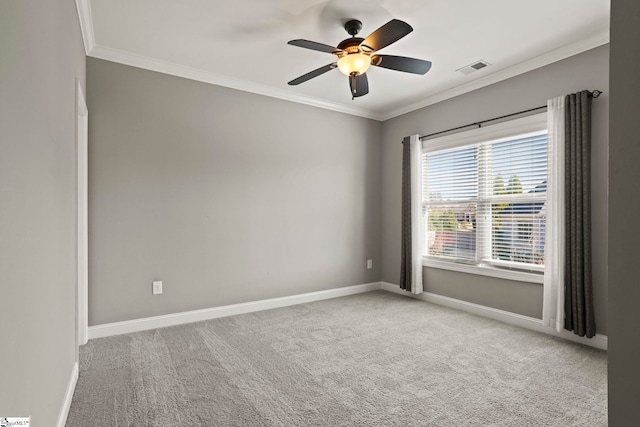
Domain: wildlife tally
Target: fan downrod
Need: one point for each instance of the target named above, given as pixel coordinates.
(353, 27)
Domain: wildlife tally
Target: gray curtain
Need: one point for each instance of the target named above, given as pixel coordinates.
(578, 301)
(406, 261)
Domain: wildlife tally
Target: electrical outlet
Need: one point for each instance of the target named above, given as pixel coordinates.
(157, 288)
(369, 264)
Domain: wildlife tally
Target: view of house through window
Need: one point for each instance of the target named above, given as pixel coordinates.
(484, 203)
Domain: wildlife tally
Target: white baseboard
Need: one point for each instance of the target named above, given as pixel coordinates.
(68, 397)
(136, 325)
(599, 341)
(147, 323)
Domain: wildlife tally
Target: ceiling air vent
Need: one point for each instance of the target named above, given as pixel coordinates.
(475, 66)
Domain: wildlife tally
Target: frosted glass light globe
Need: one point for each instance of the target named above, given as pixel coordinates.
(354, 63)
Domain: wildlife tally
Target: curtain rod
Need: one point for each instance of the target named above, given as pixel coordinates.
(596, 93)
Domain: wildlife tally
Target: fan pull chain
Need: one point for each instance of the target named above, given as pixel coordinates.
(353, 86)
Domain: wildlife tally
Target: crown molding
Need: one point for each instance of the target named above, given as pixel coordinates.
(86, 24)
(165, 67)
(521, 68)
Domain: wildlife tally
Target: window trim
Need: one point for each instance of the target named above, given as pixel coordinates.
(503, 130)
(484, 270)
(532, 124)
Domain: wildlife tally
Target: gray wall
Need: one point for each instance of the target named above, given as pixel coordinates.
(225, 196)
(624, 203)
(588, 70)
(41, 55)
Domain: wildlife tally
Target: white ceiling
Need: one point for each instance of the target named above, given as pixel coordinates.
(243, 43)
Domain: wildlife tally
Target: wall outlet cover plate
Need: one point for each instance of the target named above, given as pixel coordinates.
(157, 288)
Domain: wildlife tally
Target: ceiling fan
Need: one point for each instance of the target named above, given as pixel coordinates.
(356, 54)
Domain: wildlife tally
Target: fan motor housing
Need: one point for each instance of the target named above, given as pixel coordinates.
(351, 45)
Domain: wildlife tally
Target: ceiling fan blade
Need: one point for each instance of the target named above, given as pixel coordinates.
(308, 44)
(389, 33)
(312, 74)
(401, 63)
(359, 85)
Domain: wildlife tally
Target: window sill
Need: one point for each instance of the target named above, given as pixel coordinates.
(485, 270)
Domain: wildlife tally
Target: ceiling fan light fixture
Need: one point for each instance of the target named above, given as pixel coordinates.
(356, 55)
(351, 63)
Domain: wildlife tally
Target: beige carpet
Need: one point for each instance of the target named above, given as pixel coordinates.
(375, 359)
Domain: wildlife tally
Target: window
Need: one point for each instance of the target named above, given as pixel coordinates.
(484, 196)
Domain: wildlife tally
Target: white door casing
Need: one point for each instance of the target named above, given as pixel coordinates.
(82, 247)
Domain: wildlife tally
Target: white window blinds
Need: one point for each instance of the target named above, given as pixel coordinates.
(484, 203)
(517, 170)
(451, 199)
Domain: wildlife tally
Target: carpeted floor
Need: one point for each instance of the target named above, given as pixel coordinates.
(375, 359)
